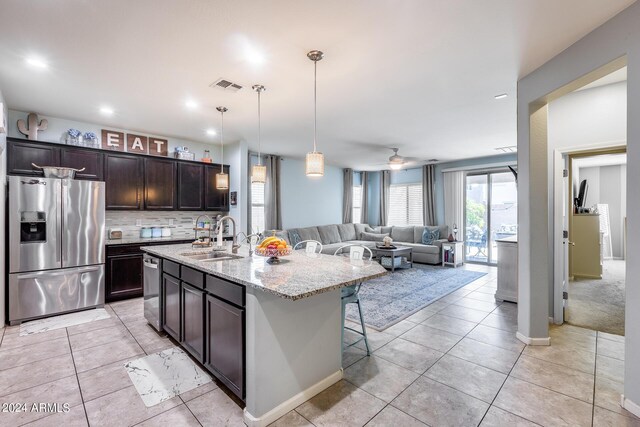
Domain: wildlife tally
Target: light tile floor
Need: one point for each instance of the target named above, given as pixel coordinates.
(455, 363)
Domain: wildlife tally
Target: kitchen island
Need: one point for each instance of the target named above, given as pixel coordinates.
(270, 332)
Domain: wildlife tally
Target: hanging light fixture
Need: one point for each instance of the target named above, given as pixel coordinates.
(259, 171)
(315, 159)
(222, 179)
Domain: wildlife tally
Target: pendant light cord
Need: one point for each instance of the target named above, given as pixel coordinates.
(259, 130)
(222, 141)
(315, 103)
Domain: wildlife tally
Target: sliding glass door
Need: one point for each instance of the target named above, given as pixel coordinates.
(491, 213)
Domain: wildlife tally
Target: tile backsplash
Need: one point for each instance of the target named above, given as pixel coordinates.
(183, 221)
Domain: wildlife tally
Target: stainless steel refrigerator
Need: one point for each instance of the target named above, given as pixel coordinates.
(56, 246)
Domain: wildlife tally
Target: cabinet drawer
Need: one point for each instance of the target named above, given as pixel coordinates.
(115, 250)
(226, 290)
(171, 268)
(192, 277)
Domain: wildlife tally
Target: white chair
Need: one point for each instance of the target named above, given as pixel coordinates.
(350, 293)
(310, 246)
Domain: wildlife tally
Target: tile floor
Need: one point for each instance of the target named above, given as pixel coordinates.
(455, 363)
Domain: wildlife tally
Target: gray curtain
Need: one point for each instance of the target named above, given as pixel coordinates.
(385, 183)
(429, 194)
(272, 197)
(364, 214)
(347, 196)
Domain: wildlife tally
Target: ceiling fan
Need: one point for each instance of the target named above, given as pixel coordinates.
(396, 161)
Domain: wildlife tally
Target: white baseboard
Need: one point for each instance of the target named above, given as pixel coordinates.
(295, 401)
(634, 408)
(533, 341)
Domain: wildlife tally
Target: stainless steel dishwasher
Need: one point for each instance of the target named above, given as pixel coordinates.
(152, 291)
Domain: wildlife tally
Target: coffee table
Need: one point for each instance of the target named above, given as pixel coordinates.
(397, 252)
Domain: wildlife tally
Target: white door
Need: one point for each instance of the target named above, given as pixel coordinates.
(560, 236)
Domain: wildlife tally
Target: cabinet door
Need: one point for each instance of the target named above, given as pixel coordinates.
(190, 187)
(193, 321)
(171, 316)
(123, 177)
(91, 161)
(20, 156)
(225, 355)
(214, 199)
(159, 184)
(124, 276)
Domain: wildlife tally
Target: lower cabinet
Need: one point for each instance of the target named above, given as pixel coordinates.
(124, 270)
(193, 300)
(225, 338)
(171, 308)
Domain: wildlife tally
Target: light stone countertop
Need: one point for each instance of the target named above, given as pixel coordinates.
(300, 275)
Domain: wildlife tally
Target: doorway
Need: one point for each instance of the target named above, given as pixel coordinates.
(595, 296)
(491, 213)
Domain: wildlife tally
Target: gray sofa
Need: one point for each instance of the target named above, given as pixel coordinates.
(334, 236)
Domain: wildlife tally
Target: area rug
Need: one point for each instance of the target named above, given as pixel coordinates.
(389, 299)
(164, 375)
(63, 321)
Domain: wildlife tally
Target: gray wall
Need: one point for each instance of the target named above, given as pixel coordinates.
(607, 185)
(615, 39)
(3, 193)
(310, 201)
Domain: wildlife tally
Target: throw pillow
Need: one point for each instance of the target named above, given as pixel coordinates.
(428, 236)
(372, 237)
(294, 236)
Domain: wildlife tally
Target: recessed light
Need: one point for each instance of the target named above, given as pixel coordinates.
(254, 56)
(106, 111)
(211, 132)
(36, 62)
(191, 104)
(501, 96)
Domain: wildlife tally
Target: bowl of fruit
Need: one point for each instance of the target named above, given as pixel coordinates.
(273, 248)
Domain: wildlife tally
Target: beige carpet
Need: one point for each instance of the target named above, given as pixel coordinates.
(599, 304)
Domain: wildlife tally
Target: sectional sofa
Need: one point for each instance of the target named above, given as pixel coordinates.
(334, 236)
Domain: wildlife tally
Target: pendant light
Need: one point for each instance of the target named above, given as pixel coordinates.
(259, 171)
(222, 179)
(315, 159)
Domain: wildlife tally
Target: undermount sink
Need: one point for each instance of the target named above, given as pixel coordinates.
(211, 256)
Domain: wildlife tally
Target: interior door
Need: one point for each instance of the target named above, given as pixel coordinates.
(560, 236)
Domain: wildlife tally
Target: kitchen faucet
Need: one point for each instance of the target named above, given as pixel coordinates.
(235, 246)
(248, 238)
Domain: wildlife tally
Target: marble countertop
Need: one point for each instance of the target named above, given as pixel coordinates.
(134, 240)
(300, 275)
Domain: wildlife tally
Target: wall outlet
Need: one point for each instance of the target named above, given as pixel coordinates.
(170, 221)
(139, 222)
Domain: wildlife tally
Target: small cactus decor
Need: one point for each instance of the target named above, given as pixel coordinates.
(31, 129)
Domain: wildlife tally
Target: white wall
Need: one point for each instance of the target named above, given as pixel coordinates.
(310, 201)
(58, 127)
(588, 117)
(236, 155)
(614, 39)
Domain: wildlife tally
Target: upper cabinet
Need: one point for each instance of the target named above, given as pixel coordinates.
(21, 156)
(190, 187)
(123, 181)
(91, 161)
(133, 181)
(159, 184)
(214, 199)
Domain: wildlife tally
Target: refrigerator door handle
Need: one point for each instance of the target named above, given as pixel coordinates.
(59, 198)
(57, 273)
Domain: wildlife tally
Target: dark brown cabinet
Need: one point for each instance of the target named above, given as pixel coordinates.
(193, 320)
(124, 271)
(123, 181)
(91, 161)
(171, 308)
(21, 155)
(214, 199)
(159, 184)
(225, 338)
(190, 187)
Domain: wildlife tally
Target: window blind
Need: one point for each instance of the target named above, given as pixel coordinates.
(357, 203)
(257, 207)
(405, 204)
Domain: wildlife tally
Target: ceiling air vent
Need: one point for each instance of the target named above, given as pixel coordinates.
(509, 149)
(225, 84)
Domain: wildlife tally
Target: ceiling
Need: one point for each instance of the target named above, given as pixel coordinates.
(420, 75)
